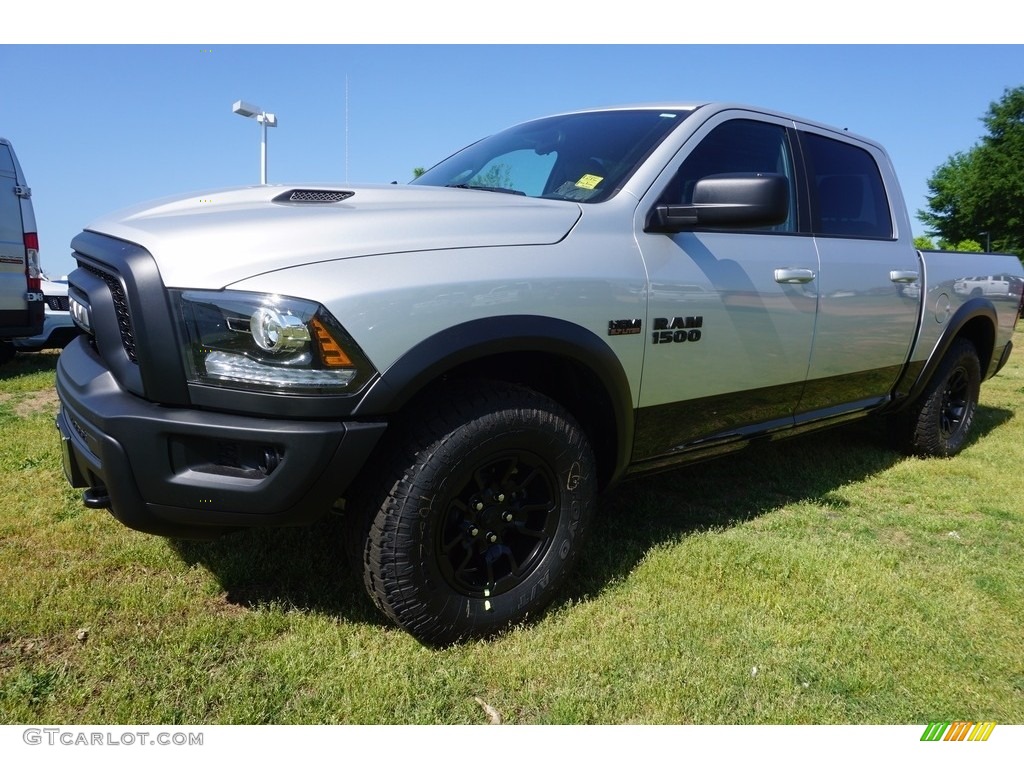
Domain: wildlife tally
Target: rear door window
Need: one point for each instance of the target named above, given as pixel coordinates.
(849, 197)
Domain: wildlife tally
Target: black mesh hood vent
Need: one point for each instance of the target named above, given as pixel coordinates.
(314, 196)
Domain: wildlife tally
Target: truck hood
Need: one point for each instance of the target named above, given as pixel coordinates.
(212, 239)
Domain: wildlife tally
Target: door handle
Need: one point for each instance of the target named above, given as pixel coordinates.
(793, 276)
(903, 276)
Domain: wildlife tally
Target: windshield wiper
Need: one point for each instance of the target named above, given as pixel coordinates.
(506, 190)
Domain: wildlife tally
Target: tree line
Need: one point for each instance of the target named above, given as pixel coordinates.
(976, 198)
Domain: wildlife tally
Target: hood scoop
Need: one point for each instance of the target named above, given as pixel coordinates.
(313, 196)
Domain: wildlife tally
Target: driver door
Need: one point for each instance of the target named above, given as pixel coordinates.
(731, 312)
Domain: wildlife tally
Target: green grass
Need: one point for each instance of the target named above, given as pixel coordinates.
(826, 579)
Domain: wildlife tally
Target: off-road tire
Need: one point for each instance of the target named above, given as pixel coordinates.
(483, 499)
(939, 422)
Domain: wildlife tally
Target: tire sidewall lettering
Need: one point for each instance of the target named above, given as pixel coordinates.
(435, 593)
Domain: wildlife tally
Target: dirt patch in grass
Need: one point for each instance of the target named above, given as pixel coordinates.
(29, 650)
(31, 403)
(897, 537)
(223, 605)
(43, 401)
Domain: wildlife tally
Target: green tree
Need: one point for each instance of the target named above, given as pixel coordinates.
(965, 246)
(418, 171)
(979, 193)
(923, 243)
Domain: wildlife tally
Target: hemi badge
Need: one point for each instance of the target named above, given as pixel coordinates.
(624, 327)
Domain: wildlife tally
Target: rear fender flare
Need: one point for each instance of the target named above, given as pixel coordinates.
(916, 377)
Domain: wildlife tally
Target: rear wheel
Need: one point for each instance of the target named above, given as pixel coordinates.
(939, 421)
(481, 512)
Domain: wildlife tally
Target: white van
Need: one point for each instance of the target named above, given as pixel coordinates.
(21, 294)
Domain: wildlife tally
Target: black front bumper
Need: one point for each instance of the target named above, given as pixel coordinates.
(192, 473)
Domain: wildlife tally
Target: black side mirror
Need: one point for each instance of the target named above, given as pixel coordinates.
(728, 200)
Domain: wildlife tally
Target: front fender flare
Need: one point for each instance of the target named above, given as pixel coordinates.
(463, 343)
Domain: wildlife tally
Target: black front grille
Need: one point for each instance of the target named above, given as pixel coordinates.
(58, 303)
(132, 288)
(124, 319)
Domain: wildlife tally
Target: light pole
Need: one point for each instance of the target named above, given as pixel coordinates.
(988, 241)
(267, 120)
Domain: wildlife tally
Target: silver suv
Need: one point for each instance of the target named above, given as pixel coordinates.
(21, 294)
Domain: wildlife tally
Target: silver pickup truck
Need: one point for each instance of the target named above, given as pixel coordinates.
(459, 365)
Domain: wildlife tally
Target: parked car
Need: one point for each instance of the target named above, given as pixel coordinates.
(663, 285)
(984, 285)
(21, 296)
(58, 326)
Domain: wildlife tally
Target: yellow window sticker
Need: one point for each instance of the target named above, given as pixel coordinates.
(589, 181)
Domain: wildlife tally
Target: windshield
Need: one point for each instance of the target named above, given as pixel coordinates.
(584, 157)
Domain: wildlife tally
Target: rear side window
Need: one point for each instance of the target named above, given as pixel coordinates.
(849, 197)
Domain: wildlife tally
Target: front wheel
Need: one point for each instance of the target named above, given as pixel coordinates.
(486, 498)
(939, 421)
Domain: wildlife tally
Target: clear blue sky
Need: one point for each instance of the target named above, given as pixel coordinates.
(100, 127)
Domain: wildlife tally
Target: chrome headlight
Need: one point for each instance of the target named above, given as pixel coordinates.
(270, 343)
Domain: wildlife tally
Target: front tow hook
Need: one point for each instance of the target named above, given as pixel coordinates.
(96, 497)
